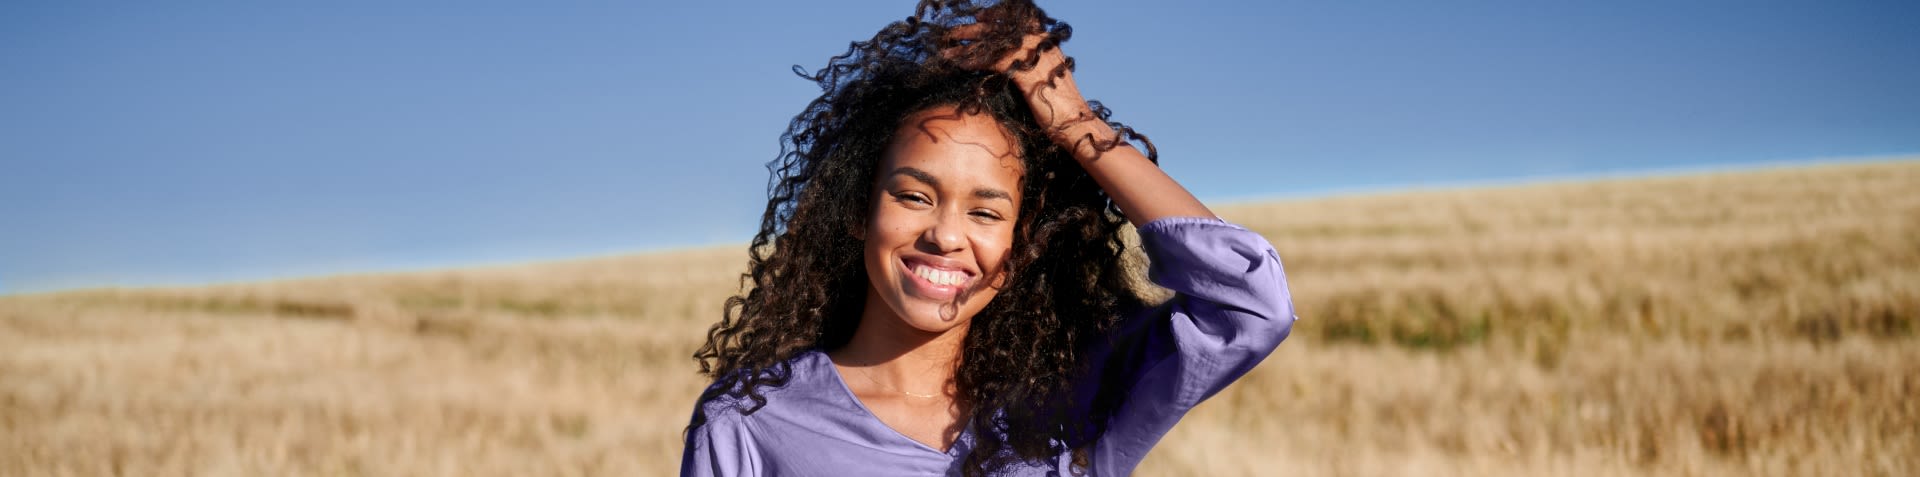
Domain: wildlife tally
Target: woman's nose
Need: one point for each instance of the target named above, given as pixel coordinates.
(947, 233)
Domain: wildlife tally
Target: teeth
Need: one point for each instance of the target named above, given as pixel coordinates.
(939, 277)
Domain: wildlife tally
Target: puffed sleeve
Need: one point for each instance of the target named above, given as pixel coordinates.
(723, 446)
(1231, 308)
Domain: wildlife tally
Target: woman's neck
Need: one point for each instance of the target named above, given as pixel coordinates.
(901, 356)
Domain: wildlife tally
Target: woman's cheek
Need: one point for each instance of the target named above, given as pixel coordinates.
(997, 264)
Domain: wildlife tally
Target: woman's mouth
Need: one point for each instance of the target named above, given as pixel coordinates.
(936, 282)
(940, 277)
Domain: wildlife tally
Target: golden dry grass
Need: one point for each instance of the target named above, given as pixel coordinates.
(1729, 324)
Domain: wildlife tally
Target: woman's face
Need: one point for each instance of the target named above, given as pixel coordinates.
(945, 201)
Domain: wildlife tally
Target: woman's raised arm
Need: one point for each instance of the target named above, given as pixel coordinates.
(1143, 191)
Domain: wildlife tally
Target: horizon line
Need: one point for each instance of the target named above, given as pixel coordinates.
(1225, 202)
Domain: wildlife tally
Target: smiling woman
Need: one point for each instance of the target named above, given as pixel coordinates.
(946, 225)
(941, 219)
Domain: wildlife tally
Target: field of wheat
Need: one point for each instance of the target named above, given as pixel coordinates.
(1742, 323)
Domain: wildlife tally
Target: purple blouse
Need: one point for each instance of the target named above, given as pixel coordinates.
(1232, 308)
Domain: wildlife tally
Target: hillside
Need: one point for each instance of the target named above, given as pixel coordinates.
(1757, 322)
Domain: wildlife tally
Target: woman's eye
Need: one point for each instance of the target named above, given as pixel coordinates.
(911, 197)
(987, 214)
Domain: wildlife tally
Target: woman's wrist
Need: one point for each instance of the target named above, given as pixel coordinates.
(1058, 106)
(1088, 139)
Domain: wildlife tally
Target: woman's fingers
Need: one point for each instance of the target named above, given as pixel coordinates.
(968, 31)
(963, 41)
(963, 55)
(960, 41)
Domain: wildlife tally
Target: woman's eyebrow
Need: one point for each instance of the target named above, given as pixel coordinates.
(917, 174)
(923, 176)
(992, 193)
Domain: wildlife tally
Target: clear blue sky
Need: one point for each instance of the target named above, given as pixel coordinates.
(188, 142)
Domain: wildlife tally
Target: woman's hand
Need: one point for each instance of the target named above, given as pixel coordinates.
(1045, 75)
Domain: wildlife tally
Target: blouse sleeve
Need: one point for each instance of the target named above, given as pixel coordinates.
(723, 446)
(1230, 310)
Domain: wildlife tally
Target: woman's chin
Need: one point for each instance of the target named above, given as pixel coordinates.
(933, 317)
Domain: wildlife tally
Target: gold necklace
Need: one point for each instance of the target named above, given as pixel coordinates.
(863, 372)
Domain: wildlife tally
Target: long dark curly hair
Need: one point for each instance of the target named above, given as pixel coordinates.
(1069, 281)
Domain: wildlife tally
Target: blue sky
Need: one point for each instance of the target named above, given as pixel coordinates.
(190, 142)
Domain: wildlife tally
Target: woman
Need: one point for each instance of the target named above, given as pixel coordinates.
(939, 282)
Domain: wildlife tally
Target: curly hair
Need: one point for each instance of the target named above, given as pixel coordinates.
(1068, 281)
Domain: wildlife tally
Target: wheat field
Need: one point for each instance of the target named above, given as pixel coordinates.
(1740, 323)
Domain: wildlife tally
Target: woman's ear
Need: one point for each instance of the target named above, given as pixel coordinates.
(858, 231)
